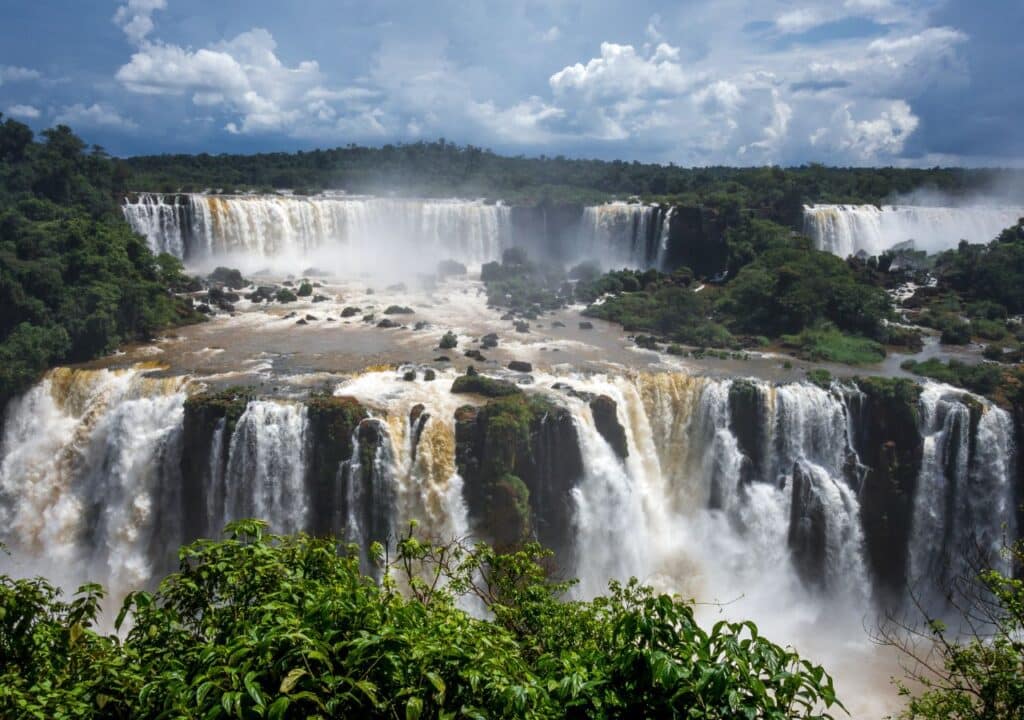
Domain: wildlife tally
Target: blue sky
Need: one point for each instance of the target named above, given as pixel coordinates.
(697, 82)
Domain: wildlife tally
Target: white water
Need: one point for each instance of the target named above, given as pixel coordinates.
(336, 233)
(963, 509)
(620, 234)
(266, 470)
(88, 489)
(849, 229)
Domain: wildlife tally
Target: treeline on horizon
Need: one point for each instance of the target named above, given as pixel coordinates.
(444, 168)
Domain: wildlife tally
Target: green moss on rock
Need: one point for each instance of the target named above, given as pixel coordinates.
(486, 386)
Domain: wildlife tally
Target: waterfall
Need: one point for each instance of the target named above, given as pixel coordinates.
(265, 475)
(730, 487)
(963, 507)
(347, 232)
(83, 466)
(849, 229)
(620, 234)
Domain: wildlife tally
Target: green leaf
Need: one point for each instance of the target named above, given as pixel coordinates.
(278, 708)
(413, 709)
(290, 679)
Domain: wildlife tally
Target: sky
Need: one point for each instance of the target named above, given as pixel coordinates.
(691, 82)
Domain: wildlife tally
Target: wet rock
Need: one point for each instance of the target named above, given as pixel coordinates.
(229, 277)
(808, 528)
(586, 325)
(884, 418)
(290, 315)
(320, 298)
(332, 420)
(522, 326)
(301, 321)
(558, 324)
(315, 272)
(448, 341)
(204, 413)
(263, 293)
(350, 312)
(429, 374)
(312, 318)
(509, 316)
(368, 318)
(747, 412)
(421, 325)
(398, 310)
(387, 323)
(490, 340)
(482, 385)
(447, 268)
(330, 319)
(204, 308)
(442, 358)
(409, 375)
(520, 459)
(475, 355)
(606, 419)
(520, 366)
(285, 295)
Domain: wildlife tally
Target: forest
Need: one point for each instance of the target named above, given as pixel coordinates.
(75, 281)
(441, 168)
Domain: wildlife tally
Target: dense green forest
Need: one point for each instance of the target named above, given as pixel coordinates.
(442, 168)
(262, 626)
(74, 279)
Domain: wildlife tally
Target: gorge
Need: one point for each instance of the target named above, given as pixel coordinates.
(810, 507)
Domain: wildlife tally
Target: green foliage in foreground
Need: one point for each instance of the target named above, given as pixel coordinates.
(74, 279)
(260, 626)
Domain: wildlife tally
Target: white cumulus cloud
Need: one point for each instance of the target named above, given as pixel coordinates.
(12, 73)
(135, 18)
(26, 112)
(95, 115)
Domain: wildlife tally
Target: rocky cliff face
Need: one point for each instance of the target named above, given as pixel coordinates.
(888, 441)
(696, 240)
(332, 421)
(210, 419)
(519, 458)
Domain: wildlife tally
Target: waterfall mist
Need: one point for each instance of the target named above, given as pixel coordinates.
(736, 492)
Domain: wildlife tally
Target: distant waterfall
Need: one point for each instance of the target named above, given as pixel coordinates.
(620, 234)
(346, 230)
(849, 229)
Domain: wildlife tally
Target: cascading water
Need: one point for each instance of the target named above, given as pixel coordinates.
(84, 465)
(963, 507)
(849, 229)
(736, 492)
(347, 231)
(620, 234)
(266, 466)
